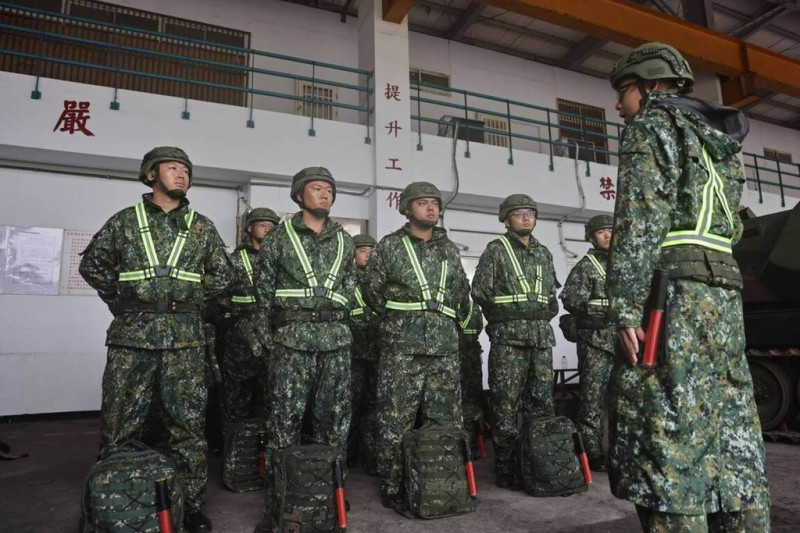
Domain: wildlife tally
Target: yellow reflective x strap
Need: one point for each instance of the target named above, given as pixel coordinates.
(435, 305)
(701, 235)
(464, 323)
(248, 267)
(603, 302)
(412, 256)
(237, 299)
(523, 282)
(360, 301)
(308, 271)
(154, 269)
(598, 265)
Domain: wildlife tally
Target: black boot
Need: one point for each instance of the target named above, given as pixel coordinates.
(196, 522)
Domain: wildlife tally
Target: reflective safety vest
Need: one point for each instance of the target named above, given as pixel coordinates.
(464, 323)
(429, 303)
(248, 268)
(600, 302)
(528, 294)
(157, 270)
(362, 307)
(701, 235)
(314, 288)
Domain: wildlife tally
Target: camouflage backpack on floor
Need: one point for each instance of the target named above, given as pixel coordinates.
(119, 494)
(304, 486)
(368, 446)
(435, 475)
(548, 457)
(474, 421)
(241, 464)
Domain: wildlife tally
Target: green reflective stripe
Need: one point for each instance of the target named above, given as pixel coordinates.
(359, 299)
(237, 299)
(469, 331)
(152, 256)
(599, 301)
(412, 256)
(357, 312)
(311, 278)
(227, 315)
(523, 281)
(701, 235)
(517, 298)
(464, 323)
(419, 306)
(248, 267)
(300, 252)
(600, 268)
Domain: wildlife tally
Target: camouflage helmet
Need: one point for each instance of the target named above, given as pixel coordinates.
(417, 190)
(261, 213)
(513, 202)
(598, 222)
(163, 154)
(310, 174)
(362, 239)
(653, 61)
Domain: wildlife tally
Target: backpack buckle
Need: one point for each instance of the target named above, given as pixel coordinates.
(162, 271)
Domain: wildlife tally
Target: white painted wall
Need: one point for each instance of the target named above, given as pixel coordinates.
(51, 347)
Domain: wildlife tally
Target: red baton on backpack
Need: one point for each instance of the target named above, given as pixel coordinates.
(262, 454)
(471, 486)
(341, 505)
(163, 506)
(587, 473)
(656, 319)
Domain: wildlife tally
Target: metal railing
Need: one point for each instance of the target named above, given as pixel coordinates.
(773, 176)
(263, 73)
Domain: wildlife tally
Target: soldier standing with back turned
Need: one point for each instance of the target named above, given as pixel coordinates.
(515, 284)
(584, 296)
(155, 265)
(305, 280)
(686, 441)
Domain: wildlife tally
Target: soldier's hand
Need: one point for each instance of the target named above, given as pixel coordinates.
(630, 339)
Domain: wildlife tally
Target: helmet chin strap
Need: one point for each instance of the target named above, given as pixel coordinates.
(524, 232)
(422, 223)
(175, 194)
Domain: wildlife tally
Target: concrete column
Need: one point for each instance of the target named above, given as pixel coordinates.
(383, 48)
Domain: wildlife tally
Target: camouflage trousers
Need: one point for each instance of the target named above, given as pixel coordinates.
(521, 381)
(753, 520)
(364, 385)
(685, 436)
(132, 378)
(471, 373)
(408, 384)
(594, 369)
(244, 380)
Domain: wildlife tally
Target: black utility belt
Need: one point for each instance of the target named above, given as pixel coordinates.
(160, 306)
(281, 318)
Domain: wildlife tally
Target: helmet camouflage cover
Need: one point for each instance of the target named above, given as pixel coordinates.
(362, 239)
(417, 190)
(653, 61)
(597, 222)
(310, 174)
(513, 202)
(163, 154)
(261, 213)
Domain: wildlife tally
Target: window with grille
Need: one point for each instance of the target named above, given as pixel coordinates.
(442, 81)
(498, 137)
(314, 97)
(775, 155)
(585, 125)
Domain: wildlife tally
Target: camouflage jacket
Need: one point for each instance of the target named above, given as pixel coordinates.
(660, 185)
(524, 323)
(390, 277)
(242, 287)
(118, 248)
(584, 284)
(278, 267)
(364, 326)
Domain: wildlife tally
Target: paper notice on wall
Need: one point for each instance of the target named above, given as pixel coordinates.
(32, 260)
(71, 281)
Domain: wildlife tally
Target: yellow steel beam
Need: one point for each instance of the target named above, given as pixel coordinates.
(396, 10)
(627, 23)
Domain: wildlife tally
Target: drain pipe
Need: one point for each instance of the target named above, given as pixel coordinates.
(561, 240)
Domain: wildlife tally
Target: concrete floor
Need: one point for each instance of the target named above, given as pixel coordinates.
(41, 493)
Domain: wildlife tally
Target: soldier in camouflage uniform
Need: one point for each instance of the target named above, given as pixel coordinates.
(155, 264)
(686, 443)
(416, 283)
(584, 296)
(305, 279)
(244, 373)
(469, 347)
(364, 363)
(515, 284)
